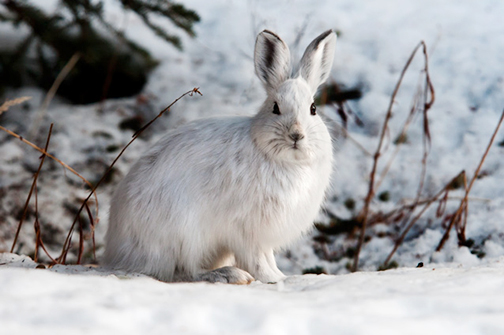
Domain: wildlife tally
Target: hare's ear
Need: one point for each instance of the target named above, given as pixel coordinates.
(317, 60)
(271, 59)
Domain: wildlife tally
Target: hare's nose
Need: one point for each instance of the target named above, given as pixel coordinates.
(296, 136)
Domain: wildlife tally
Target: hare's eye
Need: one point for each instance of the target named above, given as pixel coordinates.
(313, 109)
(276, 110)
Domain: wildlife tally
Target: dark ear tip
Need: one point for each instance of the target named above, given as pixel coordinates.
(326, 33)
(269, 32)
(321, 37)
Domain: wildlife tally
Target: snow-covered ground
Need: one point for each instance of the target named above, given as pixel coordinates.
(462, 295)
(429, 300)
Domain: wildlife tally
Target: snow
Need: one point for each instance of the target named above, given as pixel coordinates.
(455, 293)
(429, 300)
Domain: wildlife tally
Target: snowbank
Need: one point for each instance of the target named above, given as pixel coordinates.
(460, 300)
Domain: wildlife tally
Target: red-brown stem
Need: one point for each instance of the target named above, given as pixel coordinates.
(34, 183)
(81, 242)
(461, 229)
(36, 226)
(44, 152)
(371, 192)
(463, 202)
(92, 230)
(410, 225)
(415, 219)
(66, 246)
(38, 234)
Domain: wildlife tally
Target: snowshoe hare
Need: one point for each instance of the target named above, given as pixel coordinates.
(214, 198)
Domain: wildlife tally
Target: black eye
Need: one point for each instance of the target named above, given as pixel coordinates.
(313, 109)
(276, 110)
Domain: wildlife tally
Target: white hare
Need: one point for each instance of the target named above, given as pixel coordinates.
(214, 198)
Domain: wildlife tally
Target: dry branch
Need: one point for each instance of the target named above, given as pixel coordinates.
(464, 202)
(66, 246)
(45, 153)
(54, 88)
(371, 192)
(402, 135)
(34, 184)
(38, 236)
(9, 103)
(440, 210)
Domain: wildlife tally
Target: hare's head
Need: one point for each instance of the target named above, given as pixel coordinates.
(287, 127)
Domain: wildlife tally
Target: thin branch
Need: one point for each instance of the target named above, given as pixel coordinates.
(9, 103)
(45, 153)
(427, 104)
(463, 203)
(371, 192)
(35, 177)
(36, 226)
(398, 147)
(92, 230)
(52, 91)
(429, 89)
(433, 199)
(66, 246)
(349, 136)
(81, 241)
(463, 223)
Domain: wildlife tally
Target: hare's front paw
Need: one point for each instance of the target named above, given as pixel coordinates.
(270, 278)
(227, 275)
(262, 266)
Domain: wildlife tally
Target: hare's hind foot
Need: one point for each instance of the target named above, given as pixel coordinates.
(227, 275)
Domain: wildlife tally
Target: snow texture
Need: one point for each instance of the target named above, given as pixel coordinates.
(463, 295)
(460, 300)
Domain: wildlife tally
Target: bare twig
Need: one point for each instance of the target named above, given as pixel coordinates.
(440, 210)
(371, 192)
(429, 90)
(34, 184)
(52, 91)
(398, 147)
(92, 230)
(81, 241)
(300, 34)
(353, 140)
(427, 104)
(66, 246)
(45, 153)
(464, 203)
(461, 229)
(43, 246)
(38, 235)
(9, 103)
(36, 226)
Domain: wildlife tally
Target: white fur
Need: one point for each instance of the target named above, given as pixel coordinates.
(229, 191)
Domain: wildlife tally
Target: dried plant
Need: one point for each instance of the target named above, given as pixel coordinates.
(9, 103)
(459, 218)
(78, 220)
(429, 97)
(33, 186)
